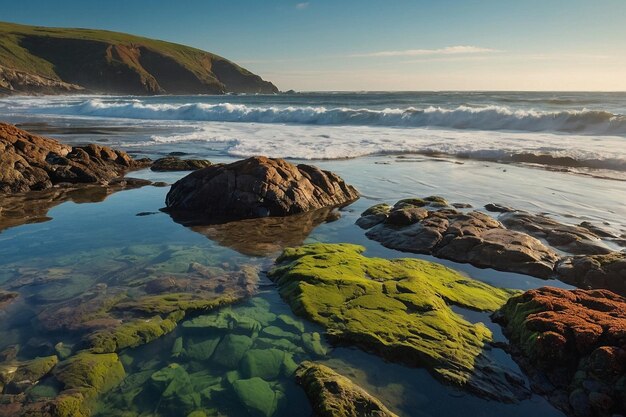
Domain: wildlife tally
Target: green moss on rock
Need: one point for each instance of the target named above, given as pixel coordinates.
(397, 308)
(333, 395)
(84, 376)
(257, 395)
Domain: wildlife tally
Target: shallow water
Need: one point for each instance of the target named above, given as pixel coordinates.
(93, 251)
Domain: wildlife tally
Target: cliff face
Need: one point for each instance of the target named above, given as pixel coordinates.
(38, 60)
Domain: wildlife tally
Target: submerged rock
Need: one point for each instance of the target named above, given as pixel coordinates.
(257, 187)
(6, 297)
(257, 395)
(575, 341)
(30, 162)
(334, 395)
(173, 163)
(430, 226)
(399, 309)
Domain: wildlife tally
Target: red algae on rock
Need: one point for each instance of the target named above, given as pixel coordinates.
(573, 344)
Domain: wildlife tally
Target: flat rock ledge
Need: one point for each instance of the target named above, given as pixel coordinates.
(30, 162)
(256, 187)
(433, 227)
(334, 395)
(572, 344)
(517, 241)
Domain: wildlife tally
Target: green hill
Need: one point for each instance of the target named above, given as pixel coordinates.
(42, 60)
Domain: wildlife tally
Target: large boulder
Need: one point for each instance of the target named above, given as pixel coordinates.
(30, 162)
(173, 163)
(257, 187)
(595, 271)
(573, 345)
(332, 394)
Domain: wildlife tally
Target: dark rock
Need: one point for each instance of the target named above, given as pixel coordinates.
(29, 162)
(6, 298)
(497, 208)
(461, 205)
(257, 187)
(334, 395)
(578, 338)
(173, 163)
(473, 237)
(568, 238)
(595, 271)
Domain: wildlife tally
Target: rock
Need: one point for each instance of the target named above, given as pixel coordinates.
(577, 338)
(568, 238)
(28, 373)
(257, 187)
(84, 376)
(398, 309)
(334, 395)
(264, 363)
(6, 297)
(202, 350)
(257, 396)
(313, 343)
(177, 392)
(30, 162)
(173, 163)
(231, 350)
(497, 208)
(431, 227)
(595, 271)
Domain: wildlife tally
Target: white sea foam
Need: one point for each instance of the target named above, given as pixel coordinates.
(461, 117)
(338, 142)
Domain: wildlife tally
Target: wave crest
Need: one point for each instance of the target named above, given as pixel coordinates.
(462, 117)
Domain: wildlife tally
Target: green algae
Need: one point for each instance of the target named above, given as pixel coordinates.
(84, 376)
(377, 210)
(173, 302)
(257, 395)
(231, 350)
(334, 395)
(35, 369)
(131, 334)
(397, 308)
(202, 350)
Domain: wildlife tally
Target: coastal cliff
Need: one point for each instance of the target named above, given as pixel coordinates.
(41, 60)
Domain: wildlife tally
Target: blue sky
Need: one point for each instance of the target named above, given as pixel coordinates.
(378, 45)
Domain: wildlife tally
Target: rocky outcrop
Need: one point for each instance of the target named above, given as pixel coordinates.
(334, 395)
(595, 271)
(256, 187)
(400, 309)
(573, 345)
(29, 162)
(14, 81)
(173, 163)
(431, 226)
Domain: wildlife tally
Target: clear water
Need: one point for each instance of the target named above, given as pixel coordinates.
(88, 250)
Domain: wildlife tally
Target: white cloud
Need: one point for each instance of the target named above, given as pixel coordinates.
(302, 6)
(448, 50)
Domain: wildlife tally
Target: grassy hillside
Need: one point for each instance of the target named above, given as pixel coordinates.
(111, 62)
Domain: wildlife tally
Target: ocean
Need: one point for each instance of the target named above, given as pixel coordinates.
(574, 130)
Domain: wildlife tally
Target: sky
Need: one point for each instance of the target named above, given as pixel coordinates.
(321, 45)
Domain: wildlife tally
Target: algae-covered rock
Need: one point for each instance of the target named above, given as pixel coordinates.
(266, 363)
(177, 392)
(84, 376)
(277, 332)
(334, 395)
(257, 395)
(399, 309)
(201, 350)
(131, 334)
(231, 350)
(313, 343)
(29, 372)
(290, 322)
